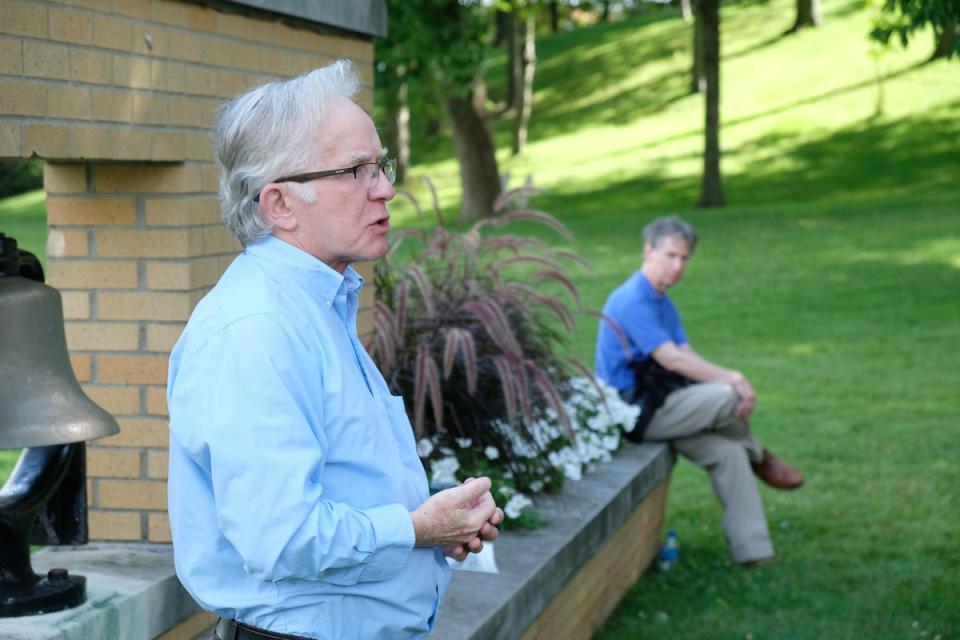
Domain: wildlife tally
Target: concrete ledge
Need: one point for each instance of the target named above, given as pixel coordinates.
(591, 519)
(132, 594)
(601, 535)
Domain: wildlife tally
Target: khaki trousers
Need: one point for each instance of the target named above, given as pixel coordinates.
(698, 422)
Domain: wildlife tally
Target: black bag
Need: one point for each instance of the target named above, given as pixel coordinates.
(652, 383)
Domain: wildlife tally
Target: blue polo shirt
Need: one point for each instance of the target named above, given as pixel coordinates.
(647, 319)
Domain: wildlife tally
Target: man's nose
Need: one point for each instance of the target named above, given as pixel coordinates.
(382, 189)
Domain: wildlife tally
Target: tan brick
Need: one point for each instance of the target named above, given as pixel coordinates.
(158, 530)
(76, 305)
(230, 83)
(189, 46)
(90, 210)
(67, 243)
(92, 274)
(138, 432)
(131, 71)
(157, 401)
(168, 145)
(112, 33)
(111, 105)
(218, 239)
(19, 98)
(11, 56)
(132, 494)
(198, 146)
(162, 337)
(151, 40)
(23, 19)
(42, 60)
(132, 143)
(10, 139)
(182, 211)
(114, 525)
(67, 25)
(112, 463)
(192, 112)
(67, 102)
(149, 179)
(102, 336)
(46, 140)
(192, 626)
(143, 306)
(82, 366)
(168, 276)
(237, 55)
(63, 178)
(167, 76)
(209, 178)
(92, 142)
(157, 462)
(200, 80)
(95, 67)
(149, 109)
(169, 12)
(117, 401)
(133, 8)
(132, 369)
(99, 5)
(143, 244)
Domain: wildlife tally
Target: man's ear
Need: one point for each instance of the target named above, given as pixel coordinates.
(275, 209)
(647, 250)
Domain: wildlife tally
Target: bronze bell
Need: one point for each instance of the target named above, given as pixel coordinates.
(41, 402)
(44, 411)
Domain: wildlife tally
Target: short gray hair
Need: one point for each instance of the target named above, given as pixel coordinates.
(656, 231)
(260, 136)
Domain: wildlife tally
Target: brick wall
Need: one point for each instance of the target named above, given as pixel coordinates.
(117, 96)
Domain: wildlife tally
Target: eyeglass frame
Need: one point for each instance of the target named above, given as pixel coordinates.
(381, 164)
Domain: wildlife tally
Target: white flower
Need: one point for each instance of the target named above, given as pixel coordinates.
(516, 504)
(491, 453)
(444, 470)
(464, 443)
(424, 447)
(536, 486)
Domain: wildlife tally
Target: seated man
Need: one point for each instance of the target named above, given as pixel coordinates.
(699, 407)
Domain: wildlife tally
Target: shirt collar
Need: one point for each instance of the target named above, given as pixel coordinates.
(645, 287)
(325, 281)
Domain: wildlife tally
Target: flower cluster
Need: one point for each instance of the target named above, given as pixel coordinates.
(540, 457)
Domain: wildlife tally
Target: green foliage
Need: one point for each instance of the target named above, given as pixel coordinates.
(20, 176)
(24, 218)
(900, 19)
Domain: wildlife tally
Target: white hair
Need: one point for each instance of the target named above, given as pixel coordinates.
(259, 137)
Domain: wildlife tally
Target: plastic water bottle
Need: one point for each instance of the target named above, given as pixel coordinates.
(670, 551)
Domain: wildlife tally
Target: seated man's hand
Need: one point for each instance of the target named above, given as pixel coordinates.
(461, 517)
(748, 397)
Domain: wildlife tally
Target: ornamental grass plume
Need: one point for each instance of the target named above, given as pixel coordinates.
(470, 329)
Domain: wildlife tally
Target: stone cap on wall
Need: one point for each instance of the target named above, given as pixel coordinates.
(368, 17)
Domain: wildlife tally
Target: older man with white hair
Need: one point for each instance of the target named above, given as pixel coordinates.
(298, 505)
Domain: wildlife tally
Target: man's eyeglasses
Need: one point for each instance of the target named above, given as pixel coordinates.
(367, 172)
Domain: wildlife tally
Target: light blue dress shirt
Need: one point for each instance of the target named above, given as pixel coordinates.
(292, 468)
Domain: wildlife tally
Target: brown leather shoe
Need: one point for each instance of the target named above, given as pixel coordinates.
(776, 472)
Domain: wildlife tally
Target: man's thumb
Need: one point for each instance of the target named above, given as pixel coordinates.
(471, 491)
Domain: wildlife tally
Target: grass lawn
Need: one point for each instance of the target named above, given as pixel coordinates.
(832, 278)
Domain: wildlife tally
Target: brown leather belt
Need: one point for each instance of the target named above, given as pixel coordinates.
(233, 630)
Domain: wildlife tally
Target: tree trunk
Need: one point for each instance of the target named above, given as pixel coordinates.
(711, 189)
(686, 11)
(479, 176)
(698, 81)
(554, 16)
(514, 62)
(525, 89)
(401, 124)
(605, 16)
(944, 41)
(808, 15)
